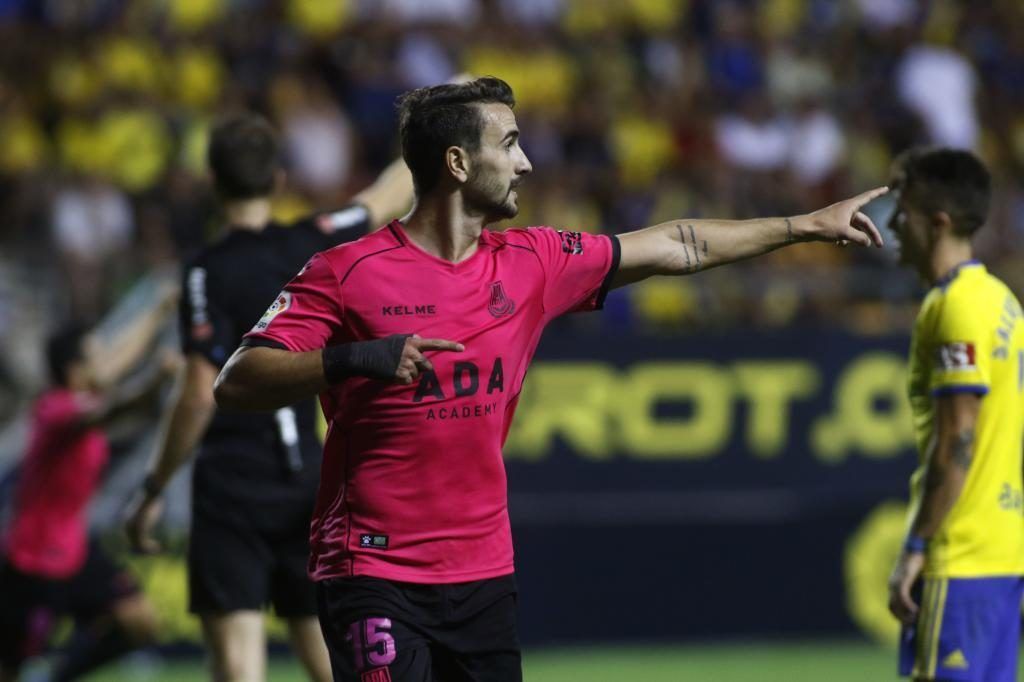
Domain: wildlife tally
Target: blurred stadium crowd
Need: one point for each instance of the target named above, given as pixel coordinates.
(632, 111)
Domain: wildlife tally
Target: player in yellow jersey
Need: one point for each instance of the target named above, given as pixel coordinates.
(957, 585)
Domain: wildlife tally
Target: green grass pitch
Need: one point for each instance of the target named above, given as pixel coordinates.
(836, 661)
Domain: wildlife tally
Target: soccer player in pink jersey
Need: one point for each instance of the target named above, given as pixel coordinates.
(418, 338)
(48, 565)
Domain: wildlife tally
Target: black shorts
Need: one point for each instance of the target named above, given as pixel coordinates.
(238, 566)
(385, 631)
(32, 604)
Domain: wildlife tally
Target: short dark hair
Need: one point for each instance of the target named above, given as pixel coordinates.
(244, 156)
(63, 348)
(953, 181)
(432, 119)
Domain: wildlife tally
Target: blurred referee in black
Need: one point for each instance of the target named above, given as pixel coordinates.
(255, 479)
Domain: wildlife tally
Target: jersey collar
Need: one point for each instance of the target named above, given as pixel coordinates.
(948, 278)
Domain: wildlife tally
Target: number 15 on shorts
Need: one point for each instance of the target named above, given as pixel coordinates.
(372, 643)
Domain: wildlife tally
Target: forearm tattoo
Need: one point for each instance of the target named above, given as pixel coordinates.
(693, 262)
(693, 240)
(962, 449)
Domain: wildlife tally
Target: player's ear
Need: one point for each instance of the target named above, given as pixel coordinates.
(942, 223)
(456, 161)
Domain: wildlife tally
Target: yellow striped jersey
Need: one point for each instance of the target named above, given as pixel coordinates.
(969, 336)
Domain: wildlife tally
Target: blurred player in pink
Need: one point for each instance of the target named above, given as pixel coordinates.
(50, 568)
(410, 541)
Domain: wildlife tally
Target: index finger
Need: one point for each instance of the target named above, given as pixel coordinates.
(870, 195)
(863, 222)
(438, 344)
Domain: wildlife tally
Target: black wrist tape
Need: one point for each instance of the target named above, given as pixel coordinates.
(377, 359)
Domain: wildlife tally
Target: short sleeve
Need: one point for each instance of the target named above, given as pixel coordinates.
(961, 349)
(205, 328)
(305, 315)
(578, 267)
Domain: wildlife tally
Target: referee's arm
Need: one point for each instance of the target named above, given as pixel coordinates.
(390, 195)
(180, 433)
(683, 247)
(190, 416)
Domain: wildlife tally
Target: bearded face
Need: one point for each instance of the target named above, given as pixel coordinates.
(497, 167)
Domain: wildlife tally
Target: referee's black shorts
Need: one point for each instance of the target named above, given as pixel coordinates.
(236, 566)
(386, 631)
(249, 538)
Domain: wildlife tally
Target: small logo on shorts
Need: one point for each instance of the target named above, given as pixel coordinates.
(373, 541)
(955, 661)
(499, 303)
(376, 675)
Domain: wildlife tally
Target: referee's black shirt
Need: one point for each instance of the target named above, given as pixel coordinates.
(266, 459)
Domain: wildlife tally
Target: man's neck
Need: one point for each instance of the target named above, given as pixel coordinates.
(440, 225)
(248, 214)
(947, 255)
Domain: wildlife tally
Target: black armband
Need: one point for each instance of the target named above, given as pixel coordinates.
(377, 359)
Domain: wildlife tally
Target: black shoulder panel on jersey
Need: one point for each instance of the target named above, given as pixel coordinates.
(607, 283)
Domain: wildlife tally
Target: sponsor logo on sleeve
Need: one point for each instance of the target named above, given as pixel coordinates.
(282, 303)
(572, 242)
(201, 328)
(956, 357)
(201, 331)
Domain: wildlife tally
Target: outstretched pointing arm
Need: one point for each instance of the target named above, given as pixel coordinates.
(683, 247)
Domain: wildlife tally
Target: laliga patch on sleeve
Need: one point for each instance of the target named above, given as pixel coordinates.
(280, 304)
(956, 357)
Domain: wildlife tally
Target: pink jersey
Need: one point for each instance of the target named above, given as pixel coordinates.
(59, 475)
(413, 484)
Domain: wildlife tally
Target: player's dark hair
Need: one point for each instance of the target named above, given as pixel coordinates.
(432, 119)
(63, 348)
(953, 181)
(243, 155)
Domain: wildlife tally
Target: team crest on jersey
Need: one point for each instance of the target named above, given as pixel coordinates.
(282, 303)
(572, 242)
(499, 304)
(956, 357)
